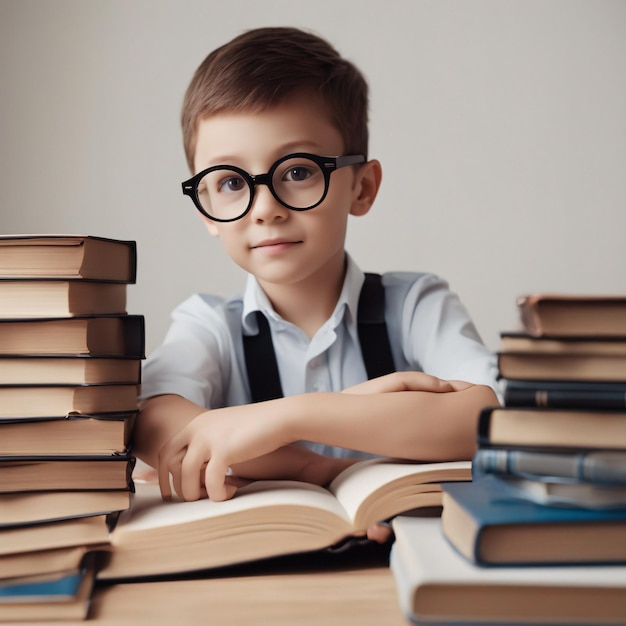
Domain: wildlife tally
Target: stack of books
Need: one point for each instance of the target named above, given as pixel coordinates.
(539, 534)
(70, 369)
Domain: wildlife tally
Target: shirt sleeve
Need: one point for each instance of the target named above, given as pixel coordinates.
(194, 360)
(440, 337)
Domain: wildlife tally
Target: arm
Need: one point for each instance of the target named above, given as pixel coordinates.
(435, 424)
(162, 417)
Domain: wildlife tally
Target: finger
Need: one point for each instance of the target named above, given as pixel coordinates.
(164, 474)
(191, 473)
(380, 533)
(215, 481)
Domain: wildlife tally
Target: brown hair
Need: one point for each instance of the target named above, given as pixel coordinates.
(266, 66)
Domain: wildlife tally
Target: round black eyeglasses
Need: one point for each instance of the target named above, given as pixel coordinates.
(300, 181)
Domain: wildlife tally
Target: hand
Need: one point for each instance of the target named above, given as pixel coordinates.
(199, 456)
(408, 381)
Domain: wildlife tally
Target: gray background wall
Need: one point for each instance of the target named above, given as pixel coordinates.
(500, 125)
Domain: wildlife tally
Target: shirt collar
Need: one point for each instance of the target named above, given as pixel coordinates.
(255, 299)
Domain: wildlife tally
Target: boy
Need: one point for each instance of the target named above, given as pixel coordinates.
(283, 102)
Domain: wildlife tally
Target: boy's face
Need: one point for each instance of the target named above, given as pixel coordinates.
(276, 244)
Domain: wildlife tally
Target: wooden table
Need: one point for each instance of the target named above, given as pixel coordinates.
(353, 587)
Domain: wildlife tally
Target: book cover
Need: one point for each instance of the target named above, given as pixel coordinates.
(60, 298)
(490, 526)
(600, 467)
(98, 336)
(71, 473)
(105, 433)
(268, 518)
(436, 585)
(42, 563)
(564, 394)
(33, 507)
(65, 596)
(580, 367)
(586, 315)
(528, 427)
(68, 370)
(68, 256)
(28, 401)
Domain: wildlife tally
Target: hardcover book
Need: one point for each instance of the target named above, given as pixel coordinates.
(53, 400)
(30, 507)
(552, 428)
(77, 473)
(100, 336)
(564, 394)
(106, 433)
(64, 596)
(68, 370)
(68, 256)
(562, 315)
(436, 585)
(60, 298)
(489, 526)
(268, 518)
(599, 467)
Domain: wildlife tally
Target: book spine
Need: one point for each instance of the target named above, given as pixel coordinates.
(600, 468)
(560, 399)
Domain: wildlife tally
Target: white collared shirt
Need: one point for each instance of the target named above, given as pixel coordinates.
(202, 359)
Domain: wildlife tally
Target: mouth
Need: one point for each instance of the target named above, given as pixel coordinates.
(276, 243)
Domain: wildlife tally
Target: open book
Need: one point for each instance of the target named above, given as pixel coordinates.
(268, 518)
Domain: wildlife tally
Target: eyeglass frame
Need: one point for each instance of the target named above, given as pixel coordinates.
(326, 164)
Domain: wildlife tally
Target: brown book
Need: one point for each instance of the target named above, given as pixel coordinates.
(562, 315)
(110, 336)
(60, 298)
(268, 518)
(571, 346)
(105, 433)
(562, 367)
(552, 428)
(50, 401)
(78, 473)
(68, 256)
(43, 562)
(48, 506)
(79, 531)
(437, 585)
(68, 370)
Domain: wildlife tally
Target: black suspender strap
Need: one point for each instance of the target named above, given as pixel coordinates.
(372, 328)
(261, 365)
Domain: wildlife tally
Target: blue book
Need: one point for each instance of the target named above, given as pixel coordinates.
(64, 596)
(490, 526)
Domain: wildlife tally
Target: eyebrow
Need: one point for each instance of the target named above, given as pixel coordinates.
(228, 159)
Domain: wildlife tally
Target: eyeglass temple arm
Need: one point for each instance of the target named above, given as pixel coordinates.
(351, 159)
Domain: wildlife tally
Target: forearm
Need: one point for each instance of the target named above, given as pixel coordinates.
(407, 424)
(163, 416)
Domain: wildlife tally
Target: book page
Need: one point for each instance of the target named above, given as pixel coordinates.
(149, 511)
(396, 485)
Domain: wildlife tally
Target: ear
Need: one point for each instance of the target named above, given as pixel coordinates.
(366, 187)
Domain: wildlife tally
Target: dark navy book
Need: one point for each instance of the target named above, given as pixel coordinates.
(490, 525)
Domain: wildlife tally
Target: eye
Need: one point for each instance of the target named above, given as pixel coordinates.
(298, 173)
(231, 184)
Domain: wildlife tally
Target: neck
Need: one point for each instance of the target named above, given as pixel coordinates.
(309, 303)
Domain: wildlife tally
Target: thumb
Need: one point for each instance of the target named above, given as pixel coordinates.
(215, 481)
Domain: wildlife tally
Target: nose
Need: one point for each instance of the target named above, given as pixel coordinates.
(265, 207)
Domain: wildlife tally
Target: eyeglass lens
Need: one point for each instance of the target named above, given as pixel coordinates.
(298, 182)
